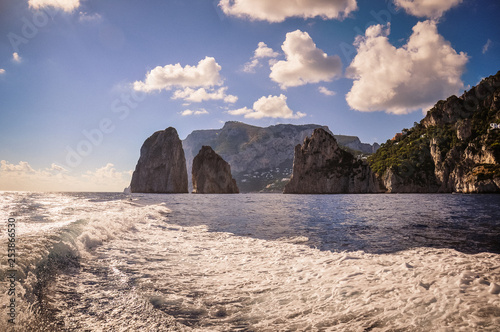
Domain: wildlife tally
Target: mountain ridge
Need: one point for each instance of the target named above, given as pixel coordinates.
(261, 158)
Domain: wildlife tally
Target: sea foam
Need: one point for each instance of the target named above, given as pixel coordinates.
(137, 269)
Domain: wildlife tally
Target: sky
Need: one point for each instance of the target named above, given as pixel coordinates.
(84, 82)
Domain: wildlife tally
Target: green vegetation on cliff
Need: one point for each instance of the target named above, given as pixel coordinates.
(453, 144)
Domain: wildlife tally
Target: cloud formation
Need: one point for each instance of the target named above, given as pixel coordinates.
(401, 80)
(201, 94)
(305, 63)
(190, 112)
(326, 92)
(205, 74)
(279, 10)
(426, 8)
(268, 107)
(89, 18)
(65, 5)
(262, 51)
(2, 71)
(16, 57)
(22, 176)
(487, 46)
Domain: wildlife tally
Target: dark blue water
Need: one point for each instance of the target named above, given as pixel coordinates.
(384, 223)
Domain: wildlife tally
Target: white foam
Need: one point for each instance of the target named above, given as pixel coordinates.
(161, 274)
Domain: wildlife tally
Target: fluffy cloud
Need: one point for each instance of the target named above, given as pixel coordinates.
(16, 57)
(250, 66)
(268, 107)
(262, 51)
(305, 63)
(22, 167)
(279, 10)
(55, 178)
(326, 92)
(201, 94)
(401, 80)
(241, 111)
(426, 8)
(2, 71)
(205, 74)
(65, 5)
(190, 112)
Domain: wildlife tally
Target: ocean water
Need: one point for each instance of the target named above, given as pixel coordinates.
(268, 262)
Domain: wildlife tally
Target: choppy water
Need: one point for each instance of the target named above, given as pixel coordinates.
(110, 262)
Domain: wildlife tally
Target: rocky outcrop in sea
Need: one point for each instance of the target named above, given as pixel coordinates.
(261, 159)
(211, 174)
(320, 166)
(162, 166)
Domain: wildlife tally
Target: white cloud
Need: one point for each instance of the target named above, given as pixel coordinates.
(305, 63)
(326, 92)
(262, 51)
(55, 178)
(230, 99)
(2, 71)
(190, 112)
(241, 111)
(201, 94)
(279, 10)
(268, 107)
(16, 57)
(205, 74)
(427, 8)
(401, 80)
(250, 66)
(89, 18)
(65, 5)
(487, 46)
(22, 167)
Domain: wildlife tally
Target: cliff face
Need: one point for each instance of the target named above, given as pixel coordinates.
(261, 159)
(453, 149)
(320, 166)
(162, 166)
(211, 174)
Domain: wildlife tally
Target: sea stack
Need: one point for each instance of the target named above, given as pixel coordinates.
(320, 166)
(212, 174)
(162, 166)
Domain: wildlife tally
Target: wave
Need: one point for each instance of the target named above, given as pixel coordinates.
(53, 233)
(120, 263)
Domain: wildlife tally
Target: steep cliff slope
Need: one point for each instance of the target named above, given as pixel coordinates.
(261, 159)
(162, 166)
(211, 174)
(455, 148)
(320, 166)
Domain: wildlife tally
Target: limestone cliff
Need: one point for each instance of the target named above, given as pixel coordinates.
(261, 159)
(162, 166)
(320, 166)
(454, 148)
(211, 174)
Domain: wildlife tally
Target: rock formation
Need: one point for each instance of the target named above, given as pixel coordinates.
(261, 159)
(211, 174)
(455, 148)
(162, 166)
(320, 166)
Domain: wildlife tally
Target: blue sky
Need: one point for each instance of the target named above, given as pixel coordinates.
(84, 83)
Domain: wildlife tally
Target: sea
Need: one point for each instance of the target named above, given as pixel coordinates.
(249, 262)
